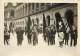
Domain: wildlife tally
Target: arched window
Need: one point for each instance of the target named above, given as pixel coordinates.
(69, 15)
(42, 6)
(12, 13)
(37, 6)
(33, 6)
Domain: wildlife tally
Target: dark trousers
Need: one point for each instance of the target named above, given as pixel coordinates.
(72, 39)
(6, 39)
(19, 41)
(66, 38)
(29, 39)
(35, 40)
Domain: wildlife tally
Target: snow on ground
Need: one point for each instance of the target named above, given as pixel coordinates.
(42, 49)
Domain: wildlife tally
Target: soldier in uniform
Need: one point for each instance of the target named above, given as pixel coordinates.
(60, 28)
(53, 31)
(49, 35)
(6, 37)
(19, 33)
(34, 35)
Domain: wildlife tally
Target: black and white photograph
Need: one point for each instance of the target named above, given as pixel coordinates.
(36, 24)
(40, 29)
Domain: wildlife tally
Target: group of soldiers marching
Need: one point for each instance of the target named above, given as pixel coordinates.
(65, 32)
(32, 36)
(49, 35)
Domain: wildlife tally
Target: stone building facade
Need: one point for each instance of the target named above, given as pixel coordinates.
(36, 11)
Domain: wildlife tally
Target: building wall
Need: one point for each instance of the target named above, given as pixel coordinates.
(21, 13)
(20, 23)
(61, 10)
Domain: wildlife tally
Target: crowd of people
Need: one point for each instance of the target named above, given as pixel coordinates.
(65, 32)
(32, 36)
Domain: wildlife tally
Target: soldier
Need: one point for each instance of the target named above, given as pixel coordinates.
(66, 36)
(49, 35)
(29, 35)
(60, 28)
(73, 37)
(19, 36)
(53, 31)
(34, 35)
(6, 37)
(70, 19)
